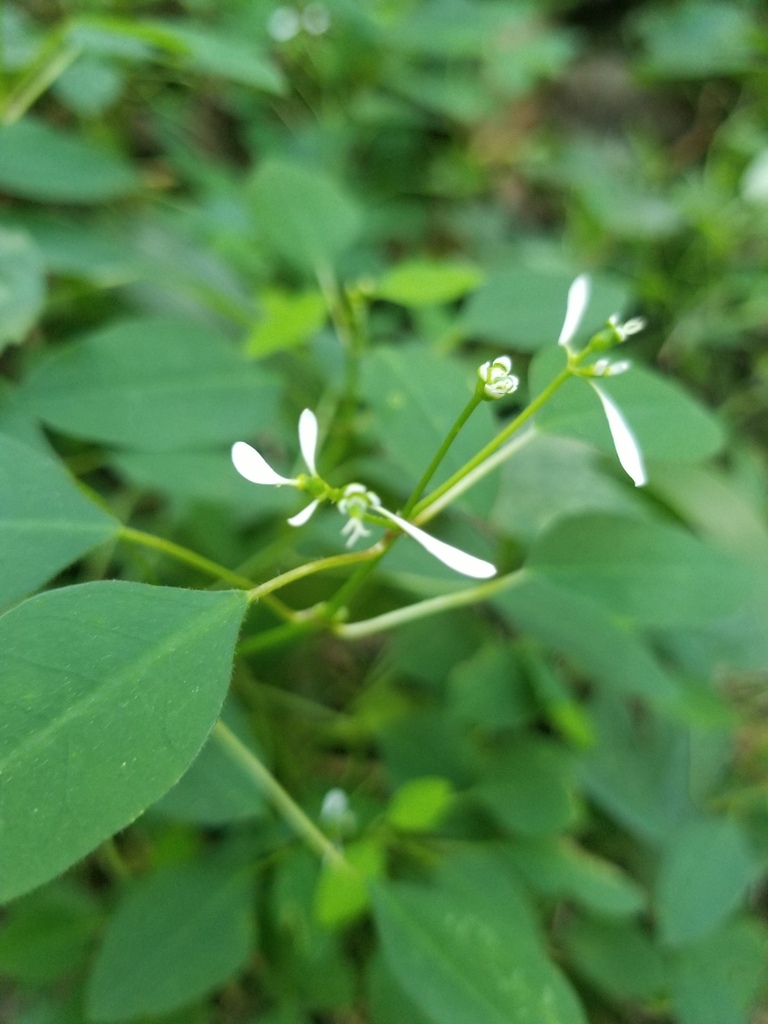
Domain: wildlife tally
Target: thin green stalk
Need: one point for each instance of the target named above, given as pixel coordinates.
(283, 803)
(441, 452)
(301, 571)
(182, 554)
(494, 445)
(276, 636)
(432, 606)
(31, 87)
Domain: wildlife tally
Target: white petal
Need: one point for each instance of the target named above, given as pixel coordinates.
(254, 467)
(304, 516)
(446, 553)
(624, 441)
(578, 297)
(308, 439)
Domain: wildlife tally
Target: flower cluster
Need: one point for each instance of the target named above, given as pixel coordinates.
(354, 501)
(624, 441)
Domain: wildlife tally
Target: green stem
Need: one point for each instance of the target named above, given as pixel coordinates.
(283, 803)
(37, 80)
(494, 445)
(301, 571)
(182, 554)
(433, 606)
(441, 452)
(276, 636)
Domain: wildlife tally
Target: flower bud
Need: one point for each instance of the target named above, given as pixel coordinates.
(496, 379)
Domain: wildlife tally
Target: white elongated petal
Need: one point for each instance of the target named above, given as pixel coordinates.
(253, 466)
(305, 515)
(308, 439)
(453, 557)
(624, 440)
(578, 297)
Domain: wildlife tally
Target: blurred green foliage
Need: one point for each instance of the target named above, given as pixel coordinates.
(215, 213)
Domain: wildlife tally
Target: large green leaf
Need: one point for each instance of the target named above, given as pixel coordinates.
(669, 424)
(51, 165)
(109, 690)
(45, 521)
(22, 286)
(705, 870)
(466, 951)
(303, 214)
(655, 575)
(588, 636)
(619, 958)
(175, 935)
(154, 384)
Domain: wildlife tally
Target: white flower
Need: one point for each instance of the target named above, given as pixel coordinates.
(497, 379)
(335, 806)
(578, 299)
(355, 501)
(628, 328)
(254, 467)
(624, 440)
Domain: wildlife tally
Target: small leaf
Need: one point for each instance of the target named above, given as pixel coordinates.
(109, 690)
(304, 215)
(175, 936)
(154, 384)
(428, 282)
(22, 286)
(46, 523)
(705, 871)
(51, 165)
(418, 805)
(289, 318)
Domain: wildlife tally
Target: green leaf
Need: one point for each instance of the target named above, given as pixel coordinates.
(175, 936)
(720, 978)
(489, 690)
(46, 523)
(154, 384)
(466, 951)
(22, 286)
(588, 636)
(524, 308)
(563, 869)
(552, 477)
(654, 574)
(617, 957)
(109, 690)
(670, 424)
(303, 214)
(418, 805)
(529, 787)
(233, 58)
(215, 790)
(638, 773)
(47, 934)
(387, 1002)
(428, 282)
(705, 870)
(697, 39)
(51, 165)
(289, 319)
